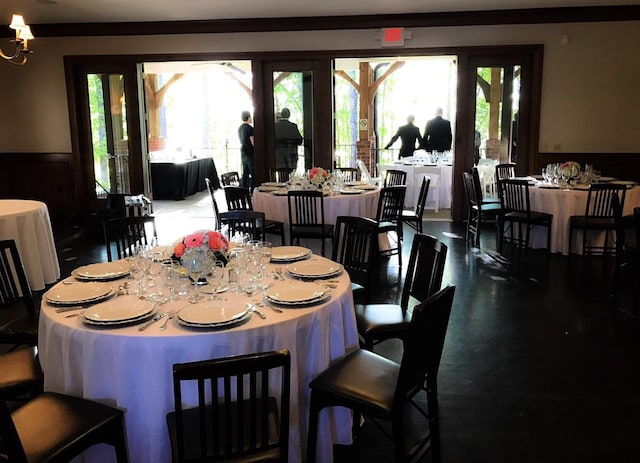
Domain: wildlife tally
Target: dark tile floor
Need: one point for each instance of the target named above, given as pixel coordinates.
(537, 366)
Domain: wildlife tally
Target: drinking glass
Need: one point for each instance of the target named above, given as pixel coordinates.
(236, 262)
(195, 269)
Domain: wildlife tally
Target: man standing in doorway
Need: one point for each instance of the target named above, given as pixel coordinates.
(245, 134)
(408, 135)
(437, 135)
(288, 139)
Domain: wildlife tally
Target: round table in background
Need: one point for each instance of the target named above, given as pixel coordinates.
(28, 223)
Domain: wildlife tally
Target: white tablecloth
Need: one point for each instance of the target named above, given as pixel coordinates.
(132, 369)
(27, 222)
(360, 205)
(564, 203)
(415, 174)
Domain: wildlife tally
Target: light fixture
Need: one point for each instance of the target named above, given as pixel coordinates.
(23, 35)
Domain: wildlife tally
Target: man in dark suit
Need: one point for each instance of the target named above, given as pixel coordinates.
(437, 135)
(288, 138)
(408, 134)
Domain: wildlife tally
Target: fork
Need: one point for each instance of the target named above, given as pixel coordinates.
(262, 304)
(172, 314)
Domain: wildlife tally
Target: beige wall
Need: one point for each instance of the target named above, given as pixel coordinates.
(590, 91)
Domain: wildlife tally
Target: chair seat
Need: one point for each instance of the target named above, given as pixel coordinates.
(43, 432)
(488, 208)
(596, 223)
(192, 432)
(377, 319)
(351, 377)
(19, 373)
(533, 217)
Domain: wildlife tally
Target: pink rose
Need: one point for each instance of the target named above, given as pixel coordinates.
(194, 240)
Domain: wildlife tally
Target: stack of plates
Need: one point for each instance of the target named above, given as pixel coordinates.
(120, 311)
(213, 315)
(268, 188)
(351, 191)
(102, 271)
(277, 184)
(280, 192)
(297, 293)
(79, 293)
(289, 253)
(365, 186)
(315, 269)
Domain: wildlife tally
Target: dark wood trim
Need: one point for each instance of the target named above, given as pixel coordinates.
(624, 166)
(439, 19)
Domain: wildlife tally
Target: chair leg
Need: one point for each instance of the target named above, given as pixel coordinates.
(120, 442)
(434, 425)
(397, 424)
(312, 433)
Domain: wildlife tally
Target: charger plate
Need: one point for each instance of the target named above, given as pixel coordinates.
(79, 293)
(296, 292)
(102, 271)
(315, 269)
(123, 309)
(211, 313)
(289, 253)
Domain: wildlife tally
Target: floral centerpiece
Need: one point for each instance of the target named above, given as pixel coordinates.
(570, 170)
(202, 244)
(317, 176)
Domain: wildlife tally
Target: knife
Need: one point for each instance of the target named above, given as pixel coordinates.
(256, 310)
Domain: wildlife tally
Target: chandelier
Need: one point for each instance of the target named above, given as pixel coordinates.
(23, 34)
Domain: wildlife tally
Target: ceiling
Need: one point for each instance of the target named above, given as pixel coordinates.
(83, 11)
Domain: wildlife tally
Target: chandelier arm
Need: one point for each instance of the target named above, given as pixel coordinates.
(8, 57)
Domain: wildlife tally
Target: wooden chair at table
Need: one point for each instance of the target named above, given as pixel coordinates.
(243, 221)
(381, 389)
(389, 218)
(355, 246)
(280, 174)
(413, 218)
(127, 233)
(239, 199)
(243, 422)
(348, 174)
(505, 171)
(230, 179)
(627, 255)
(600, 215)
(214, 204)
(379, 322)
(477, 211)
(55, 428)
(516, 204)
(15, 293)
(395, 177)
(306, 217)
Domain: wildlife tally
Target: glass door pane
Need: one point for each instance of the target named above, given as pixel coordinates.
(293, 116)
(109, 133)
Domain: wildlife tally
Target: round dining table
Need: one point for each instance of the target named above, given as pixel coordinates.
(28, 224)
(563, 203)
(276, 207)
(132, 369)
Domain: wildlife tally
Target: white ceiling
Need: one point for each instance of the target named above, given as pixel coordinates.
(78, 11)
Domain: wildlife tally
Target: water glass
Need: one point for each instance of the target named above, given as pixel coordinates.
(215, 276)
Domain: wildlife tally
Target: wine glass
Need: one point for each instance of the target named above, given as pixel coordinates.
(215, 276)
(195, 269)
(236, 263)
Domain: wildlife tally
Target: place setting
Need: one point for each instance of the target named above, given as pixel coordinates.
(102, 271)
(315, 269)
(74, 295)
(282, 254)
(296, 293)
(213, 315)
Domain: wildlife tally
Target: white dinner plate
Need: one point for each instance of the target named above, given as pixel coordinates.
(131, 321)
(365, 186)
(208, 289)
(606, 179)
(211, 313)
(121, 309)
(292, 292)
(218, 326)
(102, 270)
(314, 269)
(278, 184)
(315, 300)
(280, 192)
(351, 191)
(268, 188)
(289, 253)
(78, 293)
(354, 183)
(551, 186)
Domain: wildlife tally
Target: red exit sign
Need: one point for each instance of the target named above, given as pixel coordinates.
(393, 37)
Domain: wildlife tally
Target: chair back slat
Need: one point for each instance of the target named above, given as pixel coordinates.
(348, 174)
(422, 196)
(280, 174)
(505, 171)
(515, 195)
(426, 269)
(14, 286)
(214, 203)
(306, 207)
(127, 233)
(423, 344)
(230, 179)
(248, 415)
(469, 189)
(243, 221)
(395, 177)
(600, 200)
(238, 198)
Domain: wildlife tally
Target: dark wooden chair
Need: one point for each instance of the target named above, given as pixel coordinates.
(477, 211)
(389, 218)
(244, 422)
(413, 218)
(395, 177)
(599, 215)
(243, 221)
(381, 389)
(20, 374)
(627, 258)
(280, 174)
(239, 199)
(54, 428)
(355, 246)
(15, 292)
(505, 171)
(348, 174)
(379, 322)
(230, 179)
(518, 219)
(214, 204)
(126, 233)
(306, 217)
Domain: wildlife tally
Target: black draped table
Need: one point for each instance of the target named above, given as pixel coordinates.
(179, 179)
